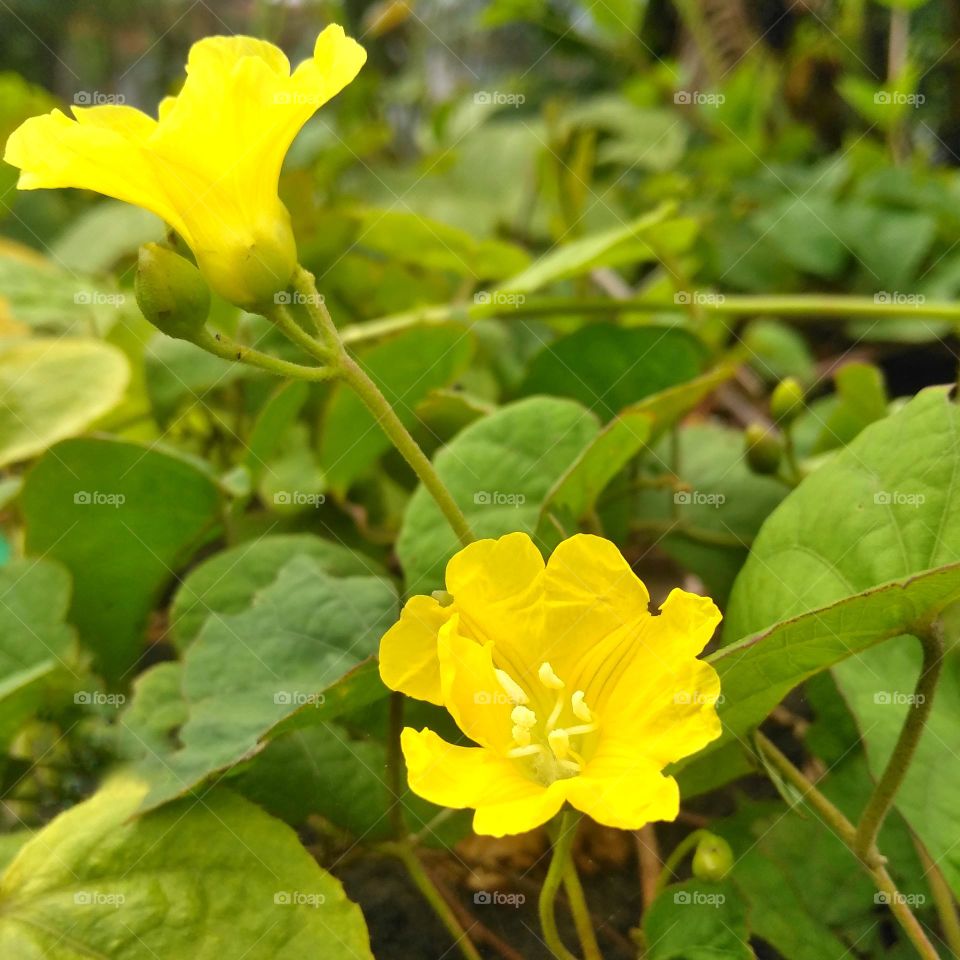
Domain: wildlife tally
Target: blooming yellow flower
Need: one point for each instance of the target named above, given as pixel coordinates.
(210, 164)
(572, 690)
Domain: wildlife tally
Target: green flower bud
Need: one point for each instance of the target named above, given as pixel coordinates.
(713, 858)
(764, 449)
(787, 401)
(170, 292)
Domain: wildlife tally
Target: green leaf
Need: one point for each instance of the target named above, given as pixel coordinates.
(405, 368)
(206, 879)
(897, 515)
(103, 234)
(123, 518)
(607, 368)
(53, 389)
(228, 581)
(608, 248)
(499, 470)
(246, 672)
(36, 646)
(861, 399)
(697, 921)
(806, 232)
(634, 428)
(708, 528)
(277, 414)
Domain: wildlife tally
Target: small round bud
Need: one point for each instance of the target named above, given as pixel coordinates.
(787, 401)
(713, 858)
(764, 449)
(170, 292)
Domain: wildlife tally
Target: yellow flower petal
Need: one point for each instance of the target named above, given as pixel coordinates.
(505, 801)
(100, 150)
(476, 699)
(496, 587)
(620, 789)
(408, 650)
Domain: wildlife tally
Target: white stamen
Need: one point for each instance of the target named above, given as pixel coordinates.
(548, 678)
(580, 710)
(525, 751)
(521, 736)
(559, 742)
(523, 717)
(510, 686)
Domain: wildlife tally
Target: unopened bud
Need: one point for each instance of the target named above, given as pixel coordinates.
(787, 401)
(764, 449)
(170, 292)
(713, 858)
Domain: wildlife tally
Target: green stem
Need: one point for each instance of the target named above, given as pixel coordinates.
(814, 307)
(562, 847)
(943, 899)
(581, 913)
(425, 885)
(230, 350)
(886, 789)
(873, 862)
(688, 843)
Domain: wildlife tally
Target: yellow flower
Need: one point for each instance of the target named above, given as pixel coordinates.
(572, 689)
(210, 164)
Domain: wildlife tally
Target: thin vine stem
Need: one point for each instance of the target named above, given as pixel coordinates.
(547, 905)
(669, 868)
(432, 895)
(581, 913)
(883, 794)
(873, 862)
(227, 349)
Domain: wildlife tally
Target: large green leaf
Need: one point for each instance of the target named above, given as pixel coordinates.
(202, 879)
(634, 428)
(52, 389)
(405, 368)
(123, 518)
(36, 646)
(607, 367)
(499, 470)
(227, 581)
(248, 671)
(884, 507)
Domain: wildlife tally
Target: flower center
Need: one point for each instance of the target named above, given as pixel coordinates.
(554, 751)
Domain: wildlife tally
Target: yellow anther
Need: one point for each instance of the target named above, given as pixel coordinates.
(521, 736)
(523, 717)
(511, 688)
(548, 678)
(580, 710)
(559, 743)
